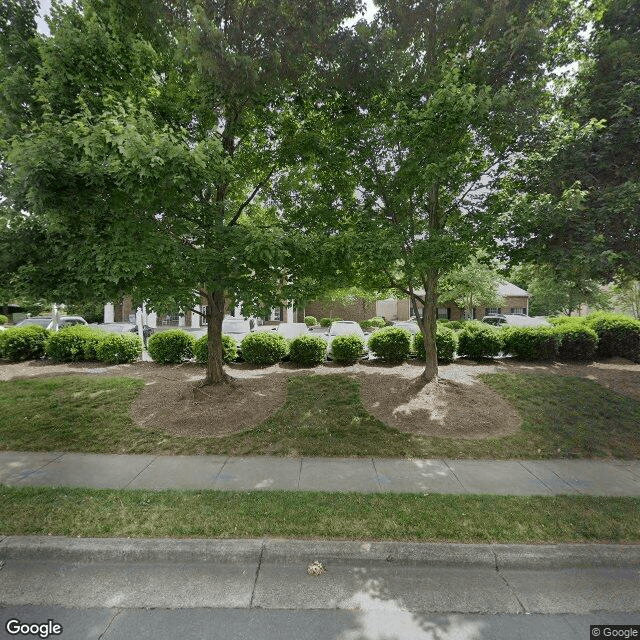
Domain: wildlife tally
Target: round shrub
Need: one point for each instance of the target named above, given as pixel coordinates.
(531, 343)
(456, 325)
(618, 335)
(170, 347)
(3, 319)
(229, 349)
(325, 322)
(446, 344)
(479, 340)
(307, 350)
(558, 320)
(264, 347)
(347, 349)
(118, 348)
(24, 343)
(377, 322)
(74, 343)
(577, 341)
(310, 321)
(392, 344)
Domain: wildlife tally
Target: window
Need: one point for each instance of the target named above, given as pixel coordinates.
(519, 310)
(444, 313)
(203, 318)
(493, 310)
(170, 320)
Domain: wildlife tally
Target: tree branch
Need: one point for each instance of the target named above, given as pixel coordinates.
(247, 202)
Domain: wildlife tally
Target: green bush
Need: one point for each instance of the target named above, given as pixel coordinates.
(531, 343)
(118, 348)
(307, 350)
(229, 349)
(377, 322)
(443, 321)
(618, 335)
(577, 341)
(479, 340)
(264, 347)
(24, 343)
(560, 320)
(347, 349)
(170, 347)
(3, 319)
(456, 325)
(392, 344)
(325, 322)
(310, 321)
(446, 344)
(74, 343)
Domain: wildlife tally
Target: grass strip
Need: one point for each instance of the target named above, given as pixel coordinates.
(323, 416)
(217, 514)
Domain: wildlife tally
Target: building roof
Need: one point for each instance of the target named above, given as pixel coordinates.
(506, 289)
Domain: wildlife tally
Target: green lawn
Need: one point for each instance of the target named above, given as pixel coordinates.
(293, 514)
(322, 416)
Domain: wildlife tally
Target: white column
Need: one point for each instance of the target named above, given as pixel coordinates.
(152, 320)
(195, 319)
(109, 312)
(291, 316)
(238, 311)
(182, 321)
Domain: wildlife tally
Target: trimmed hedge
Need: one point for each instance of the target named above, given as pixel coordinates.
(73, 344)
(264, 347)
(3, 319)
(456, 325)
(118, 348)
(479, 340)
(531, 343)
(347, 349)
(392, 344)
(326, 322)
(310, 321)
(577, 341)
(618, 335)
(170, 347)
(23, 343)
(229, 349)
(307, 350)
(446, 344)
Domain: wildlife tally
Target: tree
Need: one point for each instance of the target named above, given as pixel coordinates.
(626, 294)
(576, 196)
(552, 293)
(475, 283)
(164, 125)
(440, 96)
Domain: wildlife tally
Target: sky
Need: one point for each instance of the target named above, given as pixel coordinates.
(45, 6)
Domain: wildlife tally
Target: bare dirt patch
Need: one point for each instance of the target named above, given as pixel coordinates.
(459, 405)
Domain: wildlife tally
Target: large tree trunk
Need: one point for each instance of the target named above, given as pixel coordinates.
(215, 315)
(429, 325)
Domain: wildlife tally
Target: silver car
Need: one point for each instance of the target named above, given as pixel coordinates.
(47, 321)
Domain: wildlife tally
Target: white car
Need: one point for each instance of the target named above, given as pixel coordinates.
(344, 328)
(515, 320)
(47, 321)
(237, 328)
(291, 330)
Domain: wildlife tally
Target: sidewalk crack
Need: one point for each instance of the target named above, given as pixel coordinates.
(523, 609)
(255, 582)
(536, 477)
(453, 473)
(115, 615)
(140, 473)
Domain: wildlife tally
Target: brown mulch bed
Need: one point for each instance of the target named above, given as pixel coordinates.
(459, 405)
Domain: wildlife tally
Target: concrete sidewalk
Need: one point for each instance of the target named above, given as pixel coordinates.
(503, 477)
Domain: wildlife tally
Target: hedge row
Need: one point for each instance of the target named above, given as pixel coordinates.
(71, 344)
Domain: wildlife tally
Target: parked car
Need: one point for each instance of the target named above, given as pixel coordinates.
(291, 330)
(515, 320)
(47, 321)
(237, 328)
(411, 326)
(344, 328)
(125, 327)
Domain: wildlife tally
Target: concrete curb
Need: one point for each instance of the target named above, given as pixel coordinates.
(275, 551)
